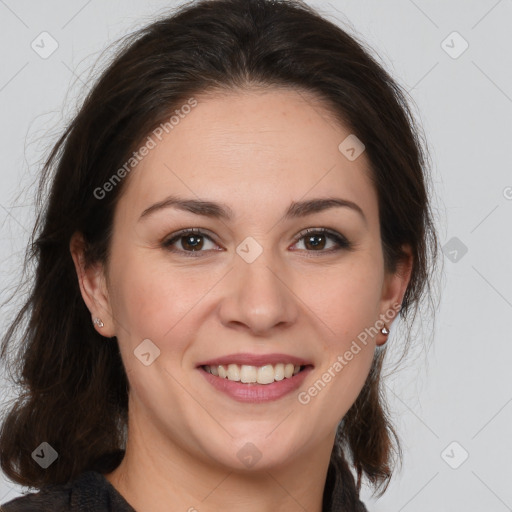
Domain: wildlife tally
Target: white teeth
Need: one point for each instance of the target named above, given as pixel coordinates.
(279, 371)
(233, 372)
(265, 374)
(250, 374)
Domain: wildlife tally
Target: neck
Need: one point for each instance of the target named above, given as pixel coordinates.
(156, 475)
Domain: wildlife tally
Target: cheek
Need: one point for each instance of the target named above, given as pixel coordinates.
(146, 302)
(346, 302)
(153, 301)
(346, 298)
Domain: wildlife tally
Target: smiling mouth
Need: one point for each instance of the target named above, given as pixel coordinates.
(247, 374)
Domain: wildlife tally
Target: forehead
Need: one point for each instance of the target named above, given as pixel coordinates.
(247, 147)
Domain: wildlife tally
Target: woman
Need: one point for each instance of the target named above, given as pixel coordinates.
(238, 214)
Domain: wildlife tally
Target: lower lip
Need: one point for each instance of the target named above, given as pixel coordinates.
(254, 392)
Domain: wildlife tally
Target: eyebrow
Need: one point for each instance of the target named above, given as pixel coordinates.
(297, 209)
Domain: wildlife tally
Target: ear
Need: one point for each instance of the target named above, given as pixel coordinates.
(394, 288)
(92, 282)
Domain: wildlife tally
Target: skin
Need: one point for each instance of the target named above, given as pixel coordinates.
(256, 151)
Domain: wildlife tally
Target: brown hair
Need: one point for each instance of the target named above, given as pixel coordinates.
(74, 390)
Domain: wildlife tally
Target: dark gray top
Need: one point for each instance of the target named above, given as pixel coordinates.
(91, 491)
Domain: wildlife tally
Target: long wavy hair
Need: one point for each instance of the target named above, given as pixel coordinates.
(73, 390)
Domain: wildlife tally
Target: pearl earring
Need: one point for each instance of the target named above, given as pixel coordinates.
(98, 322)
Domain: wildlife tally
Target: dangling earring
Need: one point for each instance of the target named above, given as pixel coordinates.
(98, 322)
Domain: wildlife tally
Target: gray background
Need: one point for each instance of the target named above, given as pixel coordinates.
(458, 392)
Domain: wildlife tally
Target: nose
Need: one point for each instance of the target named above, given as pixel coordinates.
(258, 298)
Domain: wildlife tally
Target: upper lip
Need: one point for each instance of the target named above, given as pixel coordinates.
(255, 360)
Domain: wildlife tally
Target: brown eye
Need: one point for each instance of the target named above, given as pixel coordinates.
(192, 242)
(188, 241)
(316, 240)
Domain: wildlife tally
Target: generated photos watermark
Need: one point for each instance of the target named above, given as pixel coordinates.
(149, 144)
(304, 397)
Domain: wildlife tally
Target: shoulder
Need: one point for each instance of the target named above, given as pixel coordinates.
(52, 497)
(362, 507)
(88, 491)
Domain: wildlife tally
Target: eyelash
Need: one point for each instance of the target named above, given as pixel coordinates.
(342, 242)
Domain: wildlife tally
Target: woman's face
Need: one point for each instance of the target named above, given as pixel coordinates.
(251, 283)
